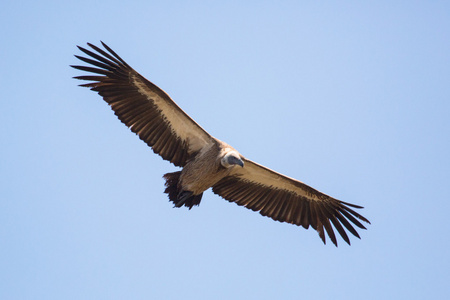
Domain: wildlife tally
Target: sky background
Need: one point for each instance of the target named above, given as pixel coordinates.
(352, 98)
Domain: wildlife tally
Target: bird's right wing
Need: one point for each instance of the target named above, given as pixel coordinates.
(288, 200)
(146, 109)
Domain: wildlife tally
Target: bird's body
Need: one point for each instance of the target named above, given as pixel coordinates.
(206, 161)
(205, 170)
(200, 173)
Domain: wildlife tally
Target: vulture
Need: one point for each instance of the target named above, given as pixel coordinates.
(208, 162)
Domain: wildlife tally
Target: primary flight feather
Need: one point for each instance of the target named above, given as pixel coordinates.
(206, 161)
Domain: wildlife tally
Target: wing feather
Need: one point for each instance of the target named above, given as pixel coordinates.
(142, 106)
(288, 200)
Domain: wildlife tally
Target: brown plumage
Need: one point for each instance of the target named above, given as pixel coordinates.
(206, 161)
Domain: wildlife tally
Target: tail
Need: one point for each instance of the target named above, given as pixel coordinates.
(176, 194)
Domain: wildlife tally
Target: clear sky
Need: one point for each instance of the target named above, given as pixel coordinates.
(350, 97)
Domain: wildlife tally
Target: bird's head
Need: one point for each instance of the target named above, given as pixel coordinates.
(230, 159)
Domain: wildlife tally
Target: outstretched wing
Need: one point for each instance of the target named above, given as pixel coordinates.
(288, 200)
(146, 109)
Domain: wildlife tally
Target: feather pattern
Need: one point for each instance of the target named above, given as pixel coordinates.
(146, 109)
(288, 200)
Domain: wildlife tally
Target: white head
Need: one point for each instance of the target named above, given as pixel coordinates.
(231, 159)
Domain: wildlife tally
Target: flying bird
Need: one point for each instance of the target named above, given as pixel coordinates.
(208, 162)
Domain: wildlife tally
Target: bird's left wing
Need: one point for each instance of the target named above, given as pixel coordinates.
(288, 200)
(142, 106)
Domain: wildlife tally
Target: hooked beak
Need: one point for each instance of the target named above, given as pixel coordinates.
(235, 161)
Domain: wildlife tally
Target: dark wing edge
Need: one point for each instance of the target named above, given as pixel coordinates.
(142, 106)
(287, 200)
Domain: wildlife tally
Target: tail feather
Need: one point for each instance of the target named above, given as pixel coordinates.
(172, 189)
(176, 194)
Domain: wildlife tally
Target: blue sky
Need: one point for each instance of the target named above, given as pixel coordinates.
(352, 98)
